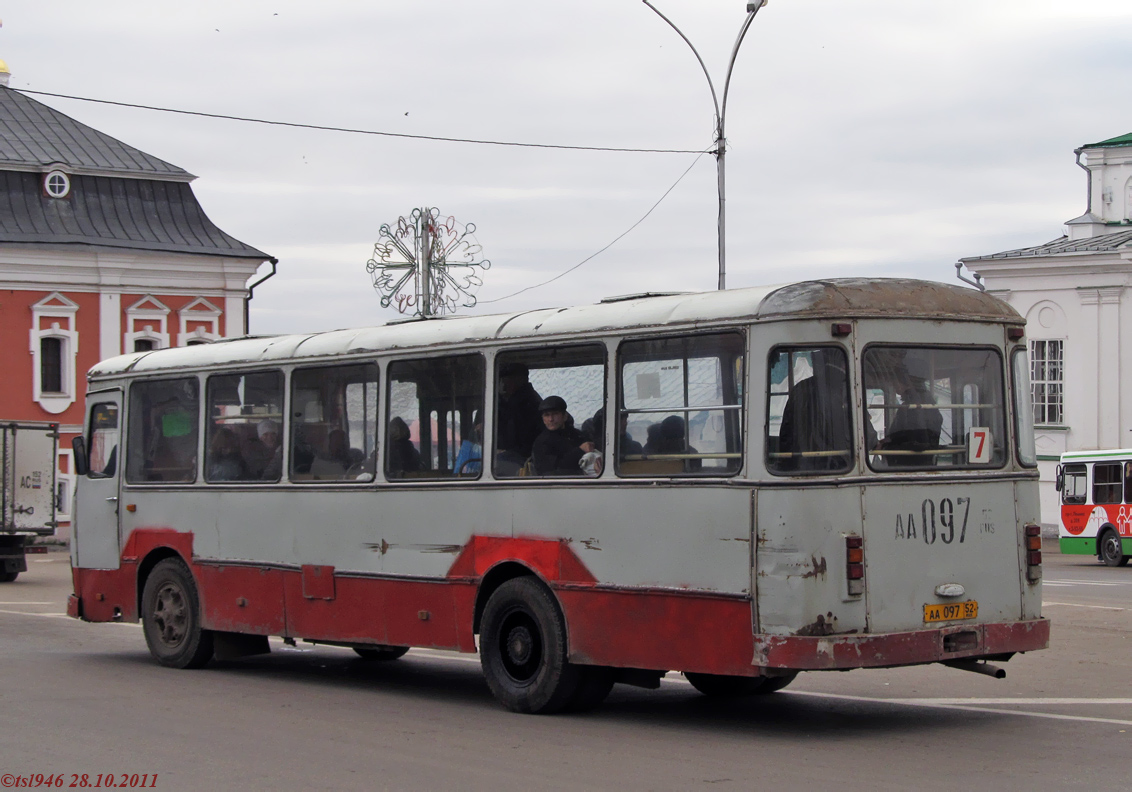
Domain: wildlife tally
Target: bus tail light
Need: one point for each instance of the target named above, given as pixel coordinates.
(855, 564)
(1033, 534)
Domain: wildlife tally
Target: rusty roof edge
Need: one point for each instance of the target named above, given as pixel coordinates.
(884, 297)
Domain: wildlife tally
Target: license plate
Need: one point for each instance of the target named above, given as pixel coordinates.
(952, 611)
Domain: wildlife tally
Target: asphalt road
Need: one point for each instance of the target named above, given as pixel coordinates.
(80, 698)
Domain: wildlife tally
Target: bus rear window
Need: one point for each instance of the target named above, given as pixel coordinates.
(808, 426)
(934, 408)
(163, 431)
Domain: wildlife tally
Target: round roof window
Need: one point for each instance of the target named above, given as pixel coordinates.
(56, 184)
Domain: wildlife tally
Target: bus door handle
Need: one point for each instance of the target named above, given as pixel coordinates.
(112, 499)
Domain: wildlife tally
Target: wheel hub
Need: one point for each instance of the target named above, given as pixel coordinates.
(170, 614)
(519, 645)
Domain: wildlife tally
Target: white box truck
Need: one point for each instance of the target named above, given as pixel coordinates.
(27, 491)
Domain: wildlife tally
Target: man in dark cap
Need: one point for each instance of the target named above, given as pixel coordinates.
(517, 419)
(560, 447)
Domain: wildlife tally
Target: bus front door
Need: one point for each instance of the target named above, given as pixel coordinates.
(95, 542)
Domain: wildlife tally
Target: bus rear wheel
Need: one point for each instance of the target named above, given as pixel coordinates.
(380, 652)
(718, 686)
(171, 617)
(1111, 549)
(523, 649)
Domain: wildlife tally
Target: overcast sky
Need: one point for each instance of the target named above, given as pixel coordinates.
(876, 137)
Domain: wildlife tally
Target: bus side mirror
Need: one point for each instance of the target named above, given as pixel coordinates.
(1059, 481)
(78, 450)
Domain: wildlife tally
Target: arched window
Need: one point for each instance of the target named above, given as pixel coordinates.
(51, 365)
(54, 344)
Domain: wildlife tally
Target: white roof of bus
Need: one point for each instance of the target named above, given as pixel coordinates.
(1108, 453)
(839, 298)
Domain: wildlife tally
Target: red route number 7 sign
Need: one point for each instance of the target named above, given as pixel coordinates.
(979, 445)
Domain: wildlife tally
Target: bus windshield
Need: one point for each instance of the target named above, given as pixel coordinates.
(933, 407)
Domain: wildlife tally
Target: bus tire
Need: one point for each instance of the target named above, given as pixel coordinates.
(1110, 550)
(171, 617)
(523, 649)
(8, 577)
(594, 684)
(380, 653)
(718, 686)
(775, 683)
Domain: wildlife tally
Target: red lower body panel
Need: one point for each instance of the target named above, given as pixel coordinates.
(686, 631)
(661, 629)
(897, 649)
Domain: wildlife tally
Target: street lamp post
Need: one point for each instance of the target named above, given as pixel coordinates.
(720, 118)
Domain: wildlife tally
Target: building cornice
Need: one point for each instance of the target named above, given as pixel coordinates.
(104, 271)
(75, 170)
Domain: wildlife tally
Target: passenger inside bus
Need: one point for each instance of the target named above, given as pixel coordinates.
(266, 454)
(669, 437)
(401, 454)
(225, 462)
(815, 432)
(469, 459)
(559, 449)
(916, 424)
(518, 421)
(332, 462)
(915, 427)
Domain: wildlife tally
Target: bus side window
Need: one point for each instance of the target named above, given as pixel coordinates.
(1075, 488)
(808, 426)
(680, 406)
(334, 423)
(523, 378)
(1107, 481)
(163, 431)
(1128, 482)
(435, 405)
(244, 413)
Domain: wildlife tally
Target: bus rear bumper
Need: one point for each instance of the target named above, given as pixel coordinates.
(880, 650)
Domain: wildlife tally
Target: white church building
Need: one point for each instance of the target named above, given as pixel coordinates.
(1076, 295)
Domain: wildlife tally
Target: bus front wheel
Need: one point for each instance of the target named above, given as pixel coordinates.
(171, 617)
(1111, 550)
(523, 649)
(718, 686)
(8, 577)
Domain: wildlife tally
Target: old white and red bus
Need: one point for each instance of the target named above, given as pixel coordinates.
(826, 475)
(1096, 504)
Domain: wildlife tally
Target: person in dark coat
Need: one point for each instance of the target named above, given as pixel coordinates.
(560, 447)
(401, 455)
(517, 420)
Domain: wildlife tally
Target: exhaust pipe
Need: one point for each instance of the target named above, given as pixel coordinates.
(977, 667)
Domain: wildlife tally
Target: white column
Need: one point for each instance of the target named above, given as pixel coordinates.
(109, 325)
(233, 317)
(1108, 354)
(1086, 377)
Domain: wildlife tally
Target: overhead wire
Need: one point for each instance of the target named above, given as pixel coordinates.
(699, 153)
(354, 131)
(607, 247)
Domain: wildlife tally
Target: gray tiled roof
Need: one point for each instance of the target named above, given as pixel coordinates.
(103, 211)
(1063, 245)
(33, 135)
